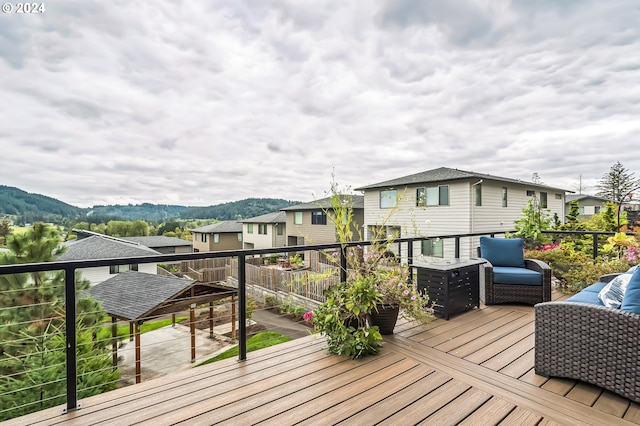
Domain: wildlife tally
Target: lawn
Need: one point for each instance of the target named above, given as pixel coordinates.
(261, 340)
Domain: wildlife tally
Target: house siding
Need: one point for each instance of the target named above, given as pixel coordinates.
(259, 241)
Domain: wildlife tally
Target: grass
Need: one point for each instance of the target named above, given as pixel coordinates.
(123, 330)
(261, 340)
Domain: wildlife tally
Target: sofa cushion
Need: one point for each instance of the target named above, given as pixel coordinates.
(502, 251)
(612, 294)
(523, 276)
(631, 300)
(586, 297)
(595, 288)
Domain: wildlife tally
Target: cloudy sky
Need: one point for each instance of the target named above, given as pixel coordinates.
(204, 102)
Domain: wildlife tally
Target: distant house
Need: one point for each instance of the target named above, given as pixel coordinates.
(100, 246)
(162, 244)
(308, 223)
(448, 201)
(226, 235)
(264, 231)
(587, 204)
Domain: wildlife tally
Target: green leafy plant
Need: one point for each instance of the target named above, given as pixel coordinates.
(590, 272)
(529, 227)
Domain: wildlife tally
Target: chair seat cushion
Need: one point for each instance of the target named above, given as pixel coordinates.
(516, 276)
(506, 252)
(583, 296)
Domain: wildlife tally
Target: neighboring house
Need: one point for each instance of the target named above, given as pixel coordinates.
(226, 235)
(264, 231)
(100, 246)
(448, 201)
(308, 223)
(162, 244)
(587, 204)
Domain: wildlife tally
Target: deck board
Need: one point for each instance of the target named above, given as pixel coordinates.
(475, 369)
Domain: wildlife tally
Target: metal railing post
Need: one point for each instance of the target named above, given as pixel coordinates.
(595, 245)
(70, 332)
(457, 254)
(343, 264)
(242, 301)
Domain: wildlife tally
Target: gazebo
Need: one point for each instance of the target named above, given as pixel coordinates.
(137, 297)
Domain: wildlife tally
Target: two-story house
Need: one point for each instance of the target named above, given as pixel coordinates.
(99, 246)
(264, 231)
(447, 201)
(225, 235)
(308, 223)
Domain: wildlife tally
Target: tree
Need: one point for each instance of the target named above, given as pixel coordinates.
(5, 231)
(618, 186)
(32, 339)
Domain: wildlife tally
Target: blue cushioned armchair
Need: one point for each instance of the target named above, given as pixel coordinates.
(507, 277)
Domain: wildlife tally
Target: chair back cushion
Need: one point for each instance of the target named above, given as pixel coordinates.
(502, 251)
(631, 300)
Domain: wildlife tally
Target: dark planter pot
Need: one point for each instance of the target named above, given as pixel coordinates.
(385, 318)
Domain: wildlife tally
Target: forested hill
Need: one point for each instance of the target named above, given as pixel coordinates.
(27, 207)
(14, 201)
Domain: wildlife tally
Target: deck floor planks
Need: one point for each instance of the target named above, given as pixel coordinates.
(520, 366)
(612, 403)
(585, 393)
(510, 354)
(500, 345)
(490, 413)
(457, 410)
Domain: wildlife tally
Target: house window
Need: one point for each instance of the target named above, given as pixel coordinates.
(432, 247)
(297, 218)
(216, 238)
(203, 238)
(262, 228)
(531, 193)
(504, 196)
(596, 209)
(116, 269)
(432, 196)
(250, 228)
(558, 196)
(388, 199)
(580, 210)
(239, 236)
(318, 217)
(280, 229)
(543, 200)
(479, 195)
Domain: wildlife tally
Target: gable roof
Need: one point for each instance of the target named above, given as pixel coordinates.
(571, 197)
(158, 241)
(103, 247)
(274, 217)
(448, 174)
(325, 203)
(226, 226)
(134, 295)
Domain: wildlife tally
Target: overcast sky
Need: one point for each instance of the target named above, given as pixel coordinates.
(204, 102)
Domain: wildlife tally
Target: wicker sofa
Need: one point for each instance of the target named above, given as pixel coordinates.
(582, 339)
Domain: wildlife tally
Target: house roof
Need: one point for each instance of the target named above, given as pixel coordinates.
(227, 226)
(572, 197)
(447, 174)
(274, 217)
(325, 203)
(158, 241)
(103, 247)
(134, 295)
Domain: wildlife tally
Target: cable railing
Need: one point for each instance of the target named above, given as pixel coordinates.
(76, 332)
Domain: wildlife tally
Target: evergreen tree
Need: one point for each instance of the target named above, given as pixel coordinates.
(618, 184)
(32, 339)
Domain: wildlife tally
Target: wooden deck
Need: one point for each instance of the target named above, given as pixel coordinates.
(475, 369)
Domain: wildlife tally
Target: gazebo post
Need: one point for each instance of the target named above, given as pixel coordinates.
(138, 378)
(114, 341)
(173, 320)
(233, 316)
(211, 321)
(192, 327)
(131, 331)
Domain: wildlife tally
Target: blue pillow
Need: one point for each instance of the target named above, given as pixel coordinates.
(502, 251)
(631, 300)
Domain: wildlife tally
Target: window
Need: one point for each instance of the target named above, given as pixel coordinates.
(388, 199)
(116, 269)
(596, 209)
(432, 196)
(216, 238)
(250, 228)
(543, 200)
(531, 193)
(240, 236)
(432, 248)
(262, 228)
(580, 210)
(297, 218)
(318, 217)
(558, 196)
(280, 228)
(478, 195)
(504, 196)
(203, 238)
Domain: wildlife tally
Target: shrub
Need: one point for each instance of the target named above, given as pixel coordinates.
(588, 273)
